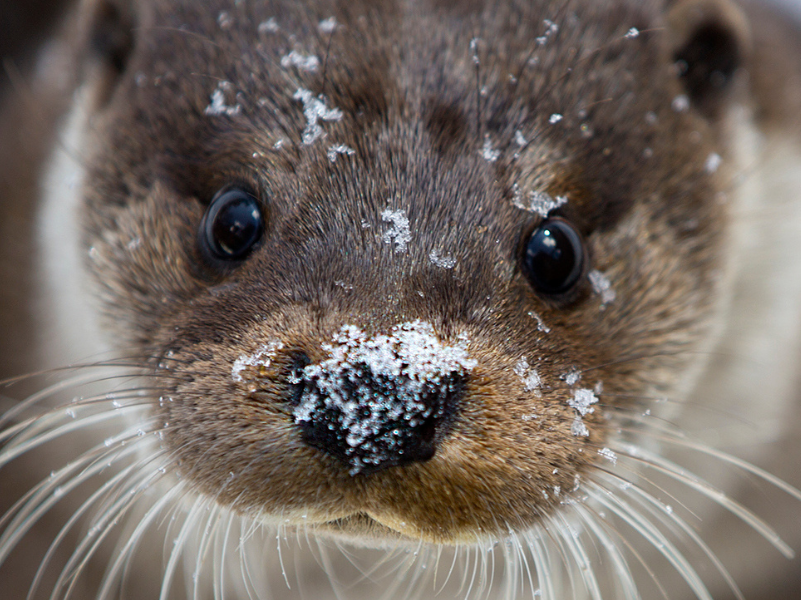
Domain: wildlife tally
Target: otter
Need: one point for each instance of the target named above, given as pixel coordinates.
(404, 299)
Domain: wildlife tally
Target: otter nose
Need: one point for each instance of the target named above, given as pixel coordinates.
(381, 402)
(372, 421)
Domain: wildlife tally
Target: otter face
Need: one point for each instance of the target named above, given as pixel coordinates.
(406, 271)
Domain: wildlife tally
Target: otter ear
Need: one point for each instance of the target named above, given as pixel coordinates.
(710, 41)
(109, 42)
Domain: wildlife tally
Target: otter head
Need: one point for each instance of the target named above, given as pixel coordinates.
(403, 271)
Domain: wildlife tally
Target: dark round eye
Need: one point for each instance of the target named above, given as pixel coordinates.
(232, 225)
(554, 257)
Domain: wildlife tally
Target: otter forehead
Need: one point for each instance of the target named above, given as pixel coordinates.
(274, 92)
(355, 121)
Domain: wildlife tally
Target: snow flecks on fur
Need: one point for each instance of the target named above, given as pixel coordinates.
(579, 429)
(489, 152)
(328, 25)
(528, 376)
(603, 287)
(443, 260)
(268, 26)
(218, 105)
(315, 110)
(339, 150)
(551, 29)
(302, 62)
(225, 20)
(261, 358)
(538, 202)
(541, 326)
(681, 103)
(572, 377)
(399, 233)
(582, 402)
(713, 162)
(410, 357)
(474, 50)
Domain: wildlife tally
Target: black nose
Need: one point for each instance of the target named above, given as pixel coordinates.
(372, 421)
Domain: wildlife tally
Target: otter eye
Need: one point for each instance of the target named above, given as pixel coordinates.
(232, 224)
(554, 257)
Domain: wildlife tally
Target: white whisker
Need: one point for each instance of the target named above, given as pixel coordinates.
(652, 535)
(571, 535)
(489, 567)
(662, 512)
(124, 554)
(683, 442)
(455, 553)
(221, 553)
(178, 545)
(542, 565)
(475, 551)
(47, 493)
(511, 578)
(102, 524)
(208, 533)
(556, 536)
(43, 431)
(624, 579)
(50, 391)
(601, 520)
(524, 561)
(673, 470)
(252, 590)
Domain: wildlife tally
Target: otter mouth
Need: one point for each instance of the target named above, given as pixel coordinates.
(362, 527)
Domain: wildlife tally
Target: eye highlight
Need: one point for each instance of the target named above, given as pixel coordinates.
(232, 225)
(554, 257)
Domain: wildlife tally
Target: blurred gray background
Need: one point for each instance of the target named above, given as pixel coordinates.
(23, 25)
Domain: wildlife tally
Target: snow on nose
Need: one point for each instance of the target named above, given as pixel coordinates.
(381, 401)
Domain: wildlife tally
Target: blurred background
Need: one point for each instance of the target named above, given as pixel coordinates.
(23, 26)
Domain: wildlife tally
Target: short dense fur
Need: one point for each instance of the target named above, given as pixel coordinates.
(641, 114)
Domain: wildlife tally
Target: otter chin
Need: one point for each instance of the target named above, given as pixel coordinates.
(396, 299)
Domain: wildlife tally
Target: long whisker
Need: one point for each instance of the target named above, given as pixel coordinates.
(661, 511)
(41, 431)
(102, 526)
(81, 379)
(658, 463)
(179, 543)
(652, 535)
(28, 510)
(123, 555)
(683, 442)
(624, 578)
(542, 565)
(569, 534)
